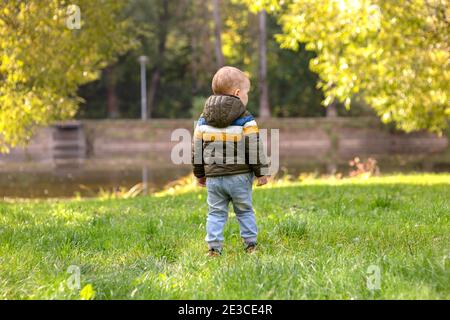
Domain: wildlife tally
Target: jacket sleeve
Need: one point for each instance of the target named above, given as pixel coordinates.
(254, 150)
(197, 153)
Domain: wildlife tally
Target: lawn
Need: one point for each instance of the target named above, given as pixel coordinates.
(319, 239)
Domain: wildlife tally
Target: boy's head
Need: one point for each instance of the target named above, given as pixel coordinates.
(231, 80)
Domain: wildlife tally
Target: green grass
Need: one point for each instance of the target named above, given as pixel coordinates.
(317, 240)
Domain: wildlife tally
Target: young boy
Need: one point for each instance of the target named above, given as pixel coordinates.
(226, 156)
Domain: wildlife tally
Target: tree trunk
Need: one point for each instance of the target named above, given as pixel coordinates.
(157, 70)
(332, 110)
(112, 101)
(264, 108)
(220, 60)
(152, 90)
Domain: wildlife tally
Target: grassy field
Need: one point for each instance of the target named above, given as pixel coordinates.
(319, 239)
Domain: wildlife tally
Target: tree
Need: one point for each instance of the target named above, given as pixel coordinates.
(395, 54)
(45, 58)
(202, 62)
(189, 62)
(218, 34)
(293, 91)
(163, 30)
(111, 95)
(262, 69)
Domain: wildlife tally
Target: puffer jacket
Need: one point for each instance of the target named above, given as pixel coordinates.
(226, 140)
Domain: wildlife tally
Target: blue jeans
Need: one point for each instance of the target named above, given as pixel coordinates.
(221, 190)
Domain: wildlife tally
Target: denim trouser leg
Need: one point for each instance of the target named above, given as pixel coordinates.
(217, 212)
(238, 189)
(241, 195)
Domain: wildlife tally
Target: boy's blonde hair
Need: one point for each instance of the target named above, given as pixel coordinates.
(228, 78)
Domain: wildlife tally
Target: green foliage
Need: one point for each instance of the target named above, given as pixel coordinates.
(43, 62)
(292, 86)
(153, 247)
(394, 53)
(188, 63)
(391, 55)
(197, 106)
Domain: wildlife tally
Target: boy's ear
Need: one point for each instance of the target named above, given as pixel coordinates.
(236, 92)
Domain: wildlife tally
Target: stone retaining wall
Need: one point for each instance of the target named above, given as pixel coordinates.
(307, 137)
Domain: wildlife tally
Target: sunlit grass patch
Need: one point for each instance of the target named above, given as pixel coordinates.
(317, 239)
(384, 201)
(292, 228)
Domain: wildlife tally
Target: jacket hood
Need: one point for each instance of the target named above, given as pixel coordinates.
(221, 110)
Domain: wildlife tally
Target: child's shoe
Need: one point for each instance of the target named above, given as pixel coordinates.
(250, 247)
(214, 252)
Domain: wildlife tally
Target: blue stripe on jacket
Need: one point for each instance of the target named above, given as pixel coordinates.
(237, 122)
(201, 121)
(242, 121)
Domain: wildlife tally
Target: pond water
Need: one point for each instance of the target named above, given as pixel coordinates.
(90, 177)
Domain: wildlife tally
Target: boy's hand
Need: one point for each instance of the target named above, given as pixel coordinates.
(201, 181)
(262, 180)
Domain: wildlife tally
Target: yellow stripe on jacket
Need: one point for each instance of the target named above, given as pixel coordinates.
(250, 130)
(221, 137)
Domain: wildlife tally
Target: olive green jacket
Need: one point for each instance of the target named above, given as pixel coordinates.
(226, 140)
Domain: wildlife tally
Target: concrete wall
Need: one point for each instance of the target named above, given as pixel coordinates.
(40, 148)
(341, 138)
